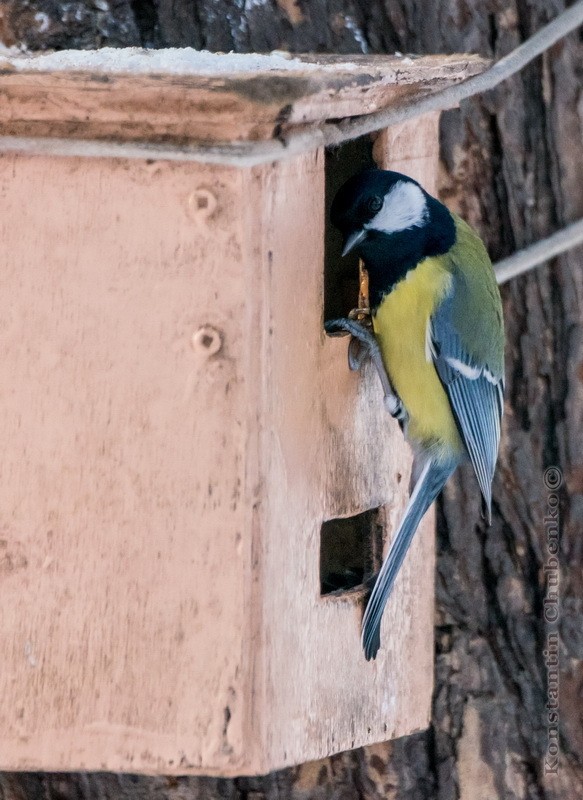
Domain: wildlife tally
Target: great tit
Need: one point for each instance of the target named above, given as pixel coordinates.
(438, 343)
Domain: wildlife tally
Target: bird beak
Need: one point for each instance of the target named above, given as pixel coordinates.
(352, 240)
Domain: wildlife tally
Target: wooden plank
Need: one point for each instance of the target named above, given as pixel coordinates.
(125, 572)
(244, 105)
(331, 450)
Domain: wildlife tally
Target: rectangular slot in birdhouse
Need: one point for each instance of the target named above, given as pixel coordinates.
(341, 274)
(176, 425)
(351, 551)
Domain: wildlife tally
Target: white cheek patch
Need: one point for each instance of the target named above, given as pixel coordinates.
(404, 207)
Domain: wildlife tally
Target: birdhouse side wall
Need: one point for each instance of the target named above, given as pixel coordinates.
(329, 449)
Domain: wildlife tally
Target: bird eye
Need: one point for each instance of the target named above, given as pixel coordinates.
(374, 204)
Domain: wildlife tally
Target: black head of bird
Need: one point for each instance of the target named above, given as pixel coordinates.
(391, 222)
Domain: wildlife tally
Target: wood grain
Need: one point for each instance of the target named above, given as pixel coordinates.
(125, 593)
(331, 451)
(225, 108)
(176, 428)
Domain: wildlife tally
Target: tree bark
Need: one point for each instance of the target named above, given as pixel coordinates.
(513, 167)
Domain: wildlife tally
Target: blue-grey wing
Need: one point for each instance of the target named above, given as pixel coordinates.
(476, 395)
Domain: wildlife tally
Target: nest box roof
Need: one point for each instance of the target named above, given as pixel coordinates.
(184, 96)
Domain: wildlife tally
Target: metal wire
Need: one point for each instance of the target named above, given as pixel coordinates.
(292, 143)
(536, 254)
(450, 97)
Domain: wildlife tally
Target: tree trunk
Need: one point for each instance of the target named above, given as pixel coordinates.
(513, 167)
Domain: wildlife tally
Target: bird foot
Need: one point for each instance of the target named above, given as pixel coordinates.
(363, 346)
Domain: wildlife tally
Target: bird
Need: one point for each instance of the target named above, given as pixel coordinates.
(437, 341)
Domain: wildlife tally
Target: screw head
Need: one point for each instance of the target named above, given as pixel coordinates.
(207, 340)
(202, 204)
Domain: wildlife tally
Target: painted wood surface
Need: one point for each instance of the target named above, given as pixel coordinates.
(125, 590)
(176, 426)
(332, 448)
(224, 108)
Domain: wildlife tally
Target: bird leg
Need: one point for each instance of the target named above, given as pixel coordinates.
(363, 346)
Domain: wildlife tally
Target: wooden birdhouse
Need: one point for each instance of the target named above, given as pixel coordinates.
(194, 486)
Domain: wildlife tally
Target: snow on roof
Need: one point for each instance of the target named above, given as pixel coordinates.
(173, 61)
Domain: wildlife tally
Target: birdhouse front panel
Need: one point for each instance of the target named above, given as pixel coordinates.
(128, 404)
(194, 485)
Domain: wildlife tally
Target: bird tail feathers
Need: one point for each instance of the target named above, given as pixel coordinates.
(430, 482)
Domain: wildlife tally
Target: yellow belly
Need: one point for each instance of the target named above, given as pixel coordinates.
(400, 325)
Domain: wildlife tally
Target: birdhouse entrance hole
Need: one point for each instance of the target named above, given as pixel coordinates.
(341, 274)
(351, 550)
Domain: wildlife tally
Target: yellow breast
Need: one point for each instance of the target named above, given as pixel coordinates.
(400, 325)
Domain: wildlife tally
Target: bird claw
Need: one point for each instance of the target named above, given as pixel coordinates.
(393, 405)
(363, 346)
(357, 354)
(344, 326)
